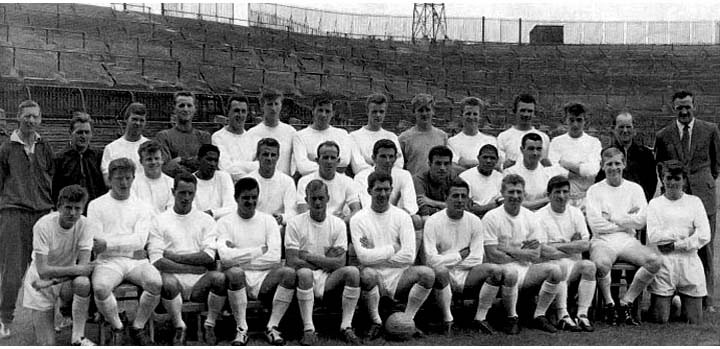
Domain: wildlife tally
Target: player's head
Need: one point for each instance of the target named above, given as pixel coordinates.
(80, 130)
(487, 159)
(185, 108)
(575, 115)
(623, 128)
(317, 197)
(613, 163)
(684, 105)
(151, 159)
(531, 146)
(271, 100)
(267, 154)
(558, 190)
(246, 195)
(384, 154)
(457, 198)
(471, 112)
(322, 111)
(135, 117)
(70, 204)
(208, 158)
(121, 173)
(440, 161)
(379, 188)
(29, 116)
(184, 189)
(674, 178)
(376, 104)
(237, 111)
(328, 158)
(423, 106)
(513, 192)
(524, 107)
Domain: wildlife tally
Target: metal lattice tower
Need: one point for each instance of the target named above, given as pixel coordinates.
(429, 22)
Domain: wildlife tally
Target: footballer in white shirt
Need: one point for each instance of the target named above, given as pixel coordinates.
(271, 127)
(366, 136)
(237, 146)
(466, 144)
(152, 186)
(524, 107)
(214, 187)
(484, 181)
(277, 190)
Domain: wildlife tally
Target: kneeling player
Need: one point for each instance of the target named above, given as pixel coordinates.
(677, 224)
(453, 243)
(249, 248)
(384, 240)
(513, 238)
(568, 237)
(60, 267)
(615, 208)
(125, 224)
(182, 247)
(316, 245)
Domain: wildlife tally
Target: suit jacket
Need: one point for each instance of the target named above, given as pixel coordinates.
(702, 161)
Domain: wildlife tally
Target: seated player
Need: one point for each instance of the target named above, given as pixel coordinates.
(615, 209)
(453, 243)
(536, 175)
(120, 240)
(513, 238)
(677, 226)
(236, 145)
(384, 241)
(60, 267)
(214, 187)
(366, 136)
(466, 144)
(568, 237)
(182, 248)
(484, 181)
(249, 249)
(277, 190)
(344, 199)
(153, 186)
(431, 185)
(316, 245)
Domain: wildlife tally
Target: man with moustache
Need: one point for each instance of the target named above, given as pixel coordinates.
(182, 141)
(237, 147)
(417, 141)
(271, 127)
(135, 116)
(509, 141)
(366, 137)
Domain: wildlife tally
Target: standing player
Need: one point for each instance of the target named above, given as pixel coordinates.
(513, 238)
(578, 153)
(214, 187)
(509, 141)
(678, 226)
(615, 209)
(62, 242)
(384, 241)
(277, 190)
(366, 137)
(417, 141)
(182, 248)
(568, 237)
(125, 224)
(316, 245)
(152, 186)
(536, 175)
(182, 141)
(453, 243)
(127, 146)
(484, 181)
(466, 144)
(272, 127)
(237, 147)
(249, 249)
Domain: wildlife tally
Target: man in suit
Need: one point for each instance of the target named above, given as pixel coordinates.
(696, 144)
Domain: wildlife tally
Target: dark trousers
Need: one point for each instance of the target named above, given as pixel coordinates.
(16, 236)
(706, 256)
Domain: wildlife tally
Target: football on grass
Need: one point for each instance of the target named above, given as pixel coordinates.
(399, 326)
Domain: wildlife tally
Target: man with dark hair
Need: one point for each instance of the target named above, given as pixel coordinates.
(214, 187)
(524, 108)
(182, 141)
(366, 136)
(417, 141)
(271, 127)
(432, 185)
(277, 190)
(484, 182)
(249, 248)
(135, 117)
(384, 157)
(237, 147)
(466, 144)
(152, 186)
(26, 171)
(536, 175)
(696, 144)
(79, 163)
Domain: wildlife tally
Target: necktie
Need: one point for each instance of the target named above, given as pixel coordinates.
(685, 140)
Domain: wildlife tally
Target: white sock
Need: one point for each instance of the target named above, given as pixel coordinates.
(372, 302)
(545, 298)
(174, 309)
(416, 298)
(444, 298)
(485, 300)
(510, 296)
(604, 284)
(80, 307)
(586, 292)
(642, 278)
(561, 300)
(238, 304)
(350, 297)
(108, 309)
(280, 304)
(215, 305)
(306, 302)
(146, 306)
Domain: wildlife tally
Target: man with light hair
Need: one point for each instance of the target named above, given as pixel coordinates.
(182, 141)
(536, 175)
(152, 186)
(416, 142)
(271, 127)
(466, 144)
(127, 145)
(509, 141)
(277, 190)
(237, 147)
(366, 136)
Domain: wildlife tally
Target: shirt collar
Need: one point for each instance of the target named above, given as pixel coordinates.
(680, 126)
(15, 137)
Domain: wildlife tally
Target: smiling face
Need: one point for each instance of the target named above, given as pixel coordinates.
(268, 157)
(513, 195)
(237, 115)
(81, 135)
(29, 120)
(380, 194)
(246, 203)
(385, 159)
(208, 164)
(184, 195)
(376, 115)
(471, 118)
(135, 124)
(424, 115)
(487, 160)
(322, 114)
(120, 184)
(317, 201)
(152, 164)
(328, 160)
(559, 197)
(184, 109)
(524, 114)
(685, 109)
(532, 151)
(456, 201)
(440, 167)
(613, 167)
(624, 130)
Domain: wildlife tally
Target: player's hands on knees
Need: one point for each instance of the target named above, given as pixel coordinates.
(99, 246)
(464, 252)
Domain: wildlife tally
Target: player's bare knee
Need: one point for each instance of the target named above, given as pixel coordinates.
(235, 278)
(368, 278)
(510, 277)
(442, 277)
(304, 278)
(653, 263)
(602, 267)
(101, 290)
(554, 274)
(495, 276)
(425, 276)
(587, 270)
(81, 286)
(351, 276)
(152, 283)
(288, 278)
(170, 286)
